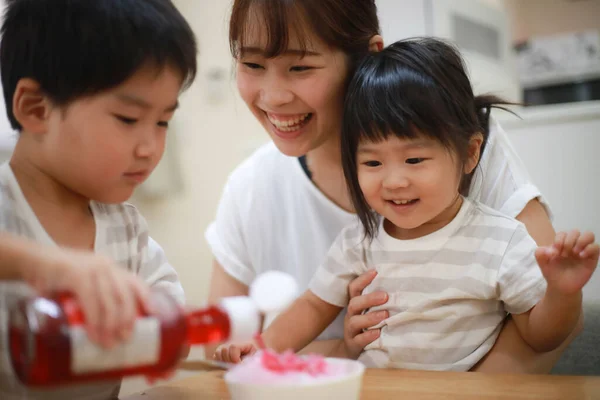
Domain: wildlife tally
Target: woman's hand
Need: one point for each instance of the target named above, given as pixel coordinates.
(356, 323)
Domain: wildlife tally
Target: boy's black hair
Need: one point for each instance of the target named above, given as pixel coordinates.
(76, 48)
(413, 87)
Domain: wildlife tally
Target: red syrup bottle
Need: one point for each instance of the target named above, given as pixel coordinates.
(49, 346)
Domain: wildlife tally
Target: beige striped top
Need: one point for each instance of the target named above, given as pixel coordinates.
(449, 291)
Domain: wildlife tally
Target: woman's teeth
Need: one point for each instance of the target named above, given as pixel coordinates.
(289, 125)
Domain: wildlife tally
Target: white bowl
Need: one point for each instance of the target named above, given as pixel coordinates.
(345, 386)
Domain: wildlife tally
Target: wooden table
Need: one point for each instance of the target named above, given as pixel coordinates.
(381, 384)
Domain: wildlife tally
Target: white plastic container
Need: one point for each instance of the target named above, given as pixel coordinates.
(344, 386)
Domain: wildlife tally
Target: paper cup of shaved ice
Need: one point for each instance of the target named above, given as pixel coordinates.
(287, 376)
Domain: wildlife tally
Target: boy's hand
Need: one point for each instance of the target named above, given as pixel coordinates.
(108, 295)
(234, 353)
(570, 262)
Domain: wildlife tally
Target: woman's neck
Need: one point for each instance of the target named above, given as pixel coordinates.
(325, 166)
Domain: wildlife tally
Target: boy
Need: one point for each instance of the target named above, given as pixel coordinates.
(90, 86)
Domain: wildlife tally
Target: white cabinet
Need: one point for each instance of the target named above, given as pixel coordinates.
(479, 28)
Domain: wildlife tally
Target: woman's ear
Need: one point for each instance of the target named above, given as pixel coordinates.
(31, 106)
(473, 152)
(376, 43)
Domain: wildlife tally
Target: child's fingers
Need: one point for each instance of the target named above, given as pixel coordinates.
(591, 251)
(217, 354)
(251, 351)
(124, 297)
(544, 255)
(559, 241)
(571, 239)
(141, 292)
(108, 311)
(584, 240)
(235, 354)
(84, 292)
(225, 354)
(247, 350)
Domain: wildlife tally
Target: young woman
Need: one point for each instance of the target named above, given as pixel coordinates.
(284, 206)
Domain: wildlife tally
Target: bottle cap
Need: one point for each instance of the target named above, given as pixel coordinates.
(244, 318)
(273, 291)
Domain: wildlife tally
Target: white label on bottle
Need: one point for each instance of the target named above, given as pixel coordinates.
(142, 348)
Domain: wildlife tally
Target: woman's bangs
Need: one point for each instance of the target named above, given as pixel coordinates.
(270, 25)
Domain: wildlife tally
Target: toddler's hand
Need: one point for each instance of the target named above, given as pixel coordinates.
(108, 295)
(570, 262)
(234, 353)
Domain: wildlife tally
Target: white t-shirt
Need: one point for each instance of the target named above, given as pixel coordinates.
(121, 234)
(272, 217)
(449, 291)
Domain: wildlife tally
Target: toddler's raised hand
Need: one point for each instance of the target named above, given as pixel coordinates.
(570, 262)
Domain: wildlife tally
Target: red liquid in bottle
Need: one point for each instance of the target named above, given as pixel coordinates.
(43, 355)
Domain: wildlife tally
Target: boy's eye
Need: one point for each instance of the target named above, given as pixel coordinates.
(163, 124)
(252, 65)
(372, 163)
(126, 120)
(300, 68)
(414, 160)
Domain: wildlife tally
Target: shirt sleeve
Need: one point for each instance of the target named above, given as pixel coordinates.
(344, 262)
(152, 266)
(225, 236)
(521, 284)
(501, 181)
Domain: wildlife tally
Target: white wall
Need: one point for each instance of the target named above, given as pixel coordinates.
(560, 147)
(213, 135)
(549, 17)
(493, 71)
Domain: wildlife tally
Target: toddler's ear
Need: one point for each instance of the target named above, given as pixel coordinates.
(473, 152)
(31, 107)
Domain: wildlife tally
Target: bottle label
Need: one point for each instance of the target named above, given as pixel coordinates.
(142, 348)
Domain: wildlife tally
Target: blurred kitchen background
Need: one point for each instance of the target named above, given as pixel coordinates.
(557, 62)
(543, 52)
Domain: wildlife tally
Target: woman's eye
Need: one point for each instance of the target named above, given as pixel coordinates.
(163, 124)
(252, 65)
(372, 163)
(414, 160)
(300, 68)
(126, 120)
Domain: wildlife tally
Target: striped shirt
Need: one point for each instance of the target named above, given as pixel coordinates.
(449, 291)
(121, 234)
